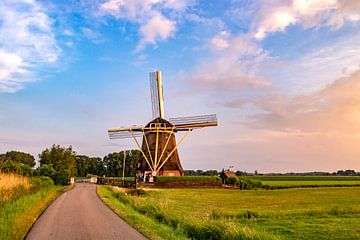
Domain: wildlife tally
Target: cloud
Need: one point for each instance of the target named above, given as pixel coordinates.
(27, 41)
(281, 133)
(157, 28)
(149, 14)
(92, 35)
(334, 110)
(220, 41)
(275, 16)
(317, 68)
(233, 65)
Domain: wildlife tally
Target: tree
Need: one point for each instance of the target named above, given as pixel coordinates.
(62, 160)
(113, 163)
(8, 165)
(88, 165)
(46, 170)
(21, 157)
(81, 165)
(95, 166)
(17, 162)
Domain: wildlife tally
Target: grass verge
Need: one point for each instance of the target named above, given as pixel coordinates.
(18, 216)
(147, 226)
(156, 220)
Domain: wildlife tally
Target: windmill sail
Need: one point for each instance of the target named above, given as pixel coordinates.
(157, 99)
(125, 132)
(194, 121)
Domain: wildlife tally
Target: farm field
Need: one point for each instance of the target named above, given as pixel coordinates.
(310, 183)
(304, 178)
(298, 213)
(307, 181)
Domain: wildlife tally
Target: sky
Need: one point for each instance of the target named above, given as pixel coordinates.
(283, 77)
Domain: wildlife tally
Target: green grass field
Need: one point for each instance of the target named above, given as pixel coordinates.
(310, 183)
(299, 213)
(305, 178)
(307, 181)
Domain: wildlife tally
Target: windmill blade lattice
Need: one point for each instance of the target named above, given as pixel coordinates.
(154, 90)
(194, 121)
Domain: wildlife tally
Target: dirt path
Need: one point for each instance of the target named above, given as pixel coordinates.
(80, 214)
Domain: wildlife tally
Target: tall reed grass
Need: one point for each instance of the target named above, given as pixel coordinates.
(22, 199)
(12, 186)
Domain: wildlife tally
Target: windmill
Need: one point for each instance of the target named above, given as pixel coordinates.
(159, 148)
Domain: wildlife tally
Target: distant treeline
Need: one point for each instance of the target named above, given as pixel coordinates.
(348, 172)
(61, 163)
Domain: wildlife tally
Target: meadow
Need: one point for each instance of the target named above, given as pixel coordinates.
(295, 213)
(22, 199)
(304, 178)
(307, 181)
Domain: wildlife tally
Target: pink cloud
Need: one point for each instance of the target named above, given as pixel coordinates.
(233, 65)
(276, 16)
(334, 110)
(157, 28)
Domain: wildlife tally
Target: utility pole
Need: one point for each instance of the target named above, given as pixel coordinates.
(123, 173)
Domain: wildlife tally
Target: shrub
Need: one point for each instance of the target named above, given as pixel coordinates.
(136, 192)
(40, 182)
(190, 180)
(10, 166)
(46, 170)
(231, 180)
(27, 170)
(61, 177)
(247, 184)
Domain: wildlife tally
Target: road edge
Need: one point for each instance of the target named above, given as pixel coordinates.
(97, 194)
(71, 187)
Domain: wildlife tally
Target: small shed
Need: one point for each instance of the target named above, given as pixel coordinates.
(225, 174)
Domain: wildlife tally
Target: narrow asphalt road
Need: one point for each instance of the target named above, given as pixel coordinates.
(80, 214)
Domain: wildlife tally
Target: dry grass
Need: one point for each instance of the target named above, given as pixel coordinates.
(10, 184)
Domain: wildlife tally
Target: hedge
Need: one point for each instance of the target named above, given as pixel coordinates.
(190, 180)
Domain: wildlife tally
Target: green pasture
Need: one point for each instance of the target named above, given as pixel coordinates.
(307, 181)
(310, 183)
(304, 178)
(296, 213)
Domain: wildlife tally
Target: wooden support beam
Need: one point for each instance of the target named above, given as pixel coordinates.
(137, 143)
(181, 140)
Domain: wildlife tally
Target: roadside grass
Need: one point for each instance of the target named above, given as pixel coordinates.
(17, 215)
(155, 219)
(147, 226)
(297, 213)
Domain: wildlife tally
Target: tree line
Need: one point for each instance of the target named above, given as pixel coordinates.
(61, 163)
